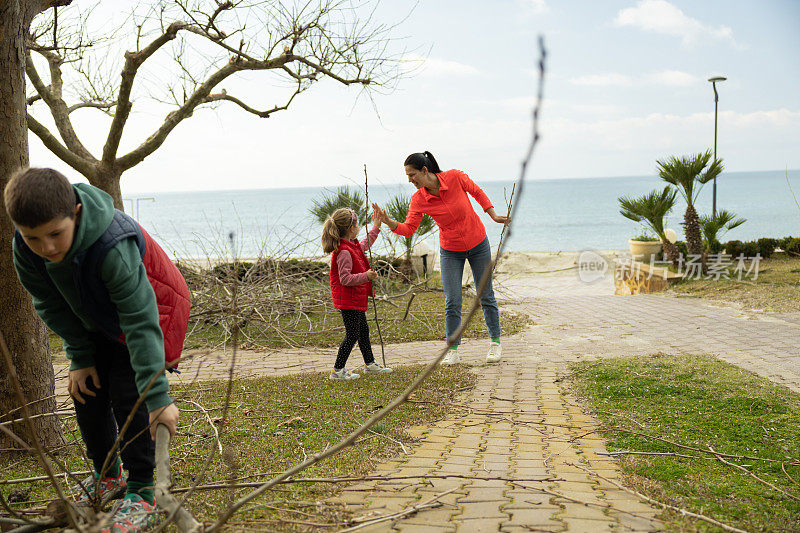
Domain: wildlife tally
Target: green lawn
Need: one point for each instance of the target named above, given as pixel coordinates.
(274, 423)
(704, 404)
(777, 287)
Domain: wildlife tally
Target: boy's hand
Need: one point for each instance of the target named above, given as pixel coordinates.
(76, 382)
(167, 415)
(371, 274)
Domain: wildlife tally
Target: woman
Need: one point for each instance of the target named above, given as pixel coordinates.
(462, 236)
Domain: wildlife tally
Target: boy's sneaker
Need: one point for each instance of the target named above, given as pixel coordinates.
(451, 358)
(110, 488)
(375, 368)
(131, 515)
(495, 352)
(343, 375)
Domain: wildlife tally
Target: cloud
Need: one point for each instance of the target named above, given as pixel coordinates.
(611, 79)
(660, 16)
(672, 78)
(535, 7)
(431, 66)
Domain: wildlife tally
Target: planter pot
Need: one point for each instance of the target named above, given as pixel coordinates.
(645, 251)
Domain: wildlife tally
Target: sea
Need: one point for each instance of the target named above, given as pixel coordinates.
(549, 215)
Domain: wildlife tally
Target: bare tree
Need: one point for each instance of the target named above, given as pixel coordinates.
(22, 330)
(204, 43)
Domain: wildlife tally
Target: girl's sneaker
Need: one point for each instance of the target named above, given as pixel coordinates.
(105, 489)
(131, 515)
(376, 368)
(343, 375)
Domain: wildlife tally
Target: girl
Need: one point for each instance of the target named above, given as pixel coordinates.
(443, 196)
(351, 285)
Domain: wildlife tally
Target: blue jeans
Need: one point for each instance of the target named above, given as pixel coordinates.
(452, 265)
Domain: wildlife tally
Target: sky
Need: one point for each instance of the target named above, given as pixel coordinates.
(626, 84)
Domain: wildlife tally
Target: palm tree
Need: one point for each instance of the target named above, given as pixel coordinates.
(714, 227)
(650, 209)
(688, 174)
(397, 208)
(344, 197)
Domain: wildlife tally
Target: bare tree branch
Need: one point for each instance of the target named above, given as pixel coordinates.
(96, 105)
(84, 166)
(262, 114)
(52, 96)
(133, 60)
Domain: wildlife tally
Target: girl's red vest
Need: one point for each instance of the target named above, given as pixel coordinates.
(354, 297)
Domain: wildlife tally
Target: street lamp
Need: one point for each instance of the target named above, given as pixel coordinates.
(714, 81)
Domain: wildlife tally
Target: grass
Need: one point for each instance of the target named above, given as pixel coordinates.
(777, 287)
(274, 423)
(704, 403)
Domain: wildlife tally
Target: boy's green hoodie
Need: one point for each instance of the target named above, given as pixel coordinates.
(123, 273)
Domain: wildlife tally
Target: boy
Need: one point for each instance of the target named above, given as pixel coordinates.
(87, 266)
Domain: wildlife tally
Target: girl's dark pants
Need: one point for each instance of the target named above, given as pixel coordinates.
(101, 415)
(356, 330)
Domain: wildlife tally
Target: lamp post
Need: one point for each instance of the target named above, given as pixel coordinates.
(714, 81)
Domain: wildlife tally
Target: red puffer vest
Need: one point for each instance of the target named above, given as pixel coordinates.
(354, 297)
(172, 295)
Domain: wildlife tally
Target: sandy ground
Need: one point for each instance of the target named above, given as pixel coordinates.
(523, 275)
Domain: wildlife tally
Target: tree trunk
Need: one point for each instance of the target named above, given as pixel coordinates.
(672, 252)
(108, 180)
(24, 333)
(694, 236)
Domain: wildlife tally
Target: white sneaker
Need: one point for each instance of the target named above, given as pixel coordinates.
(343, 375)
(451, 358)
(495, 352)
(375, 368)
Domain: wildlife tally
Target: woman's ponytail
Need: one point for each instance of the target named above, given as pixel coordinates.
(423, 159)
(433, 166)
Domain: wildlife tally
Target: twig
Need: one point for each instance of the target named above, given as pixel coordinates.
(210, 423)
(408, 306)
(369, 248)
(41, 478)
(790, 187)
(672, 454)
(183, 518)
(783, 467)
(680, 510)
(405, 451)
(353, 479)
(12, 377)
(427, 504)
(625, 430)
(765, 482)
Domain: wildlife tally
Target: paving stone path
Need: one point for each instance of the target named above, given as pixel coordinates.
(519, 423)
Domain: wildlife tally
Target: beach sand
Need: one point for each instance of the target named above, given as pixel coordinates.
(548, 274)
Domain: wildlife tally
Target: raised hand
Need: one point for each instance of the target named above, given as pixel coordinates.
(377, 215)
